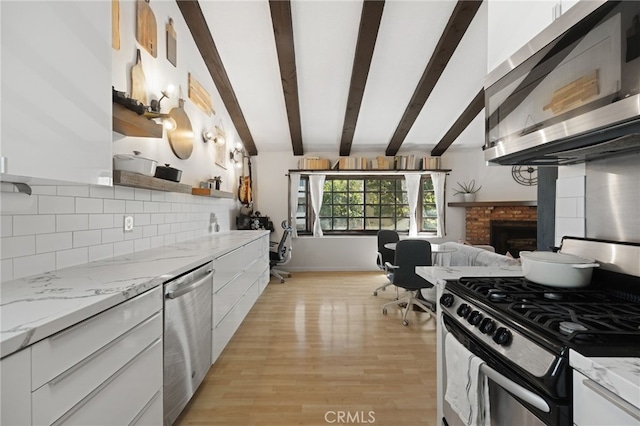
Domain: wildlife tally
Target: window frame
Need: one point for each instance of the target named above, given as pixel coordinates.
(308, 214)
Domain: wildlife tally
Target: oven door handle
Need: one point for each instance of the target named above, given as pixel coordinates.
(514, 388)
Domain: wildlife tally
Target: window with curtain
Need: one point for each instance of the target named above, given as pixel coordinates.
(362, 205)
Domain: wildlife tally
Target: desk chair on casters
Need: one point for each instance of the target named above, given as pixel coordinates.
(280, 252)
(385, 255)
(408, 255)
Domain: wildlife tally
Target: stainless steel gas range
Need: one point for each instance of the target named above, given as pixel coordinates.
(522, 331)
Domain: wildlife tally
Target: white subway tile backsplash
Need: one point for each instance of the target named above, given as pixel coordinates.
(151, 207)
(103, 251)
(170, 239)
(112, 235)
(56, 205)
(570, 187)
(6, 270)
(574, 227)
(567, 207)
(123, 247)
(33, 207)
(134, 207)
(72, 222)
(89, 205)
(142, 219)
(31, 265)
(164, 229)
(87, 238)
(73, 191)
(150, 231)
(11, 247)
(142, 194)
(101, 221)
(170, 218)
(164, 207)
(142, 244)
(114, 206)
(53, 242)
(135, 234)
(123, 193)
(99, 191)
(572, 171)
(43, 190)
(157, 218)
(157, 196)
(73, 257)
(7, 226)
(157, 241)
(34, 224)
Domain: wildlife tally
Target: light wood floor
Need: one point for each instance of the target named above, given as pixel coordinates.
(319, 345)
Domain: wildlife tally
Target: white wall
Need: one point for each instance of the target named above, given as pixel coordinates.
(358, 253)
(159, 72)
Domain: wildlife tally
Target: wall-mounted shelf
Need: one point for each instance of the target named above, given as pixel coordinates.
(495, 204)
(206, 192)
(129, 123)
(136, 180)
(366, 171)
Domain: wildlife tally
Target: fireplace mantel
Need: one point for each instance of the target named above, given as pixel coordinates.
(494, 204)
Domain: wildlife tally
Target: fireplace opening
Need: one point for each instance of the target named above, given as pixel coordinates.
(513, 236)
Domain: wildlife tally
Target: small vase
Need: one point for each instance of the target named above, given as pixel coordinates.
(469, 198)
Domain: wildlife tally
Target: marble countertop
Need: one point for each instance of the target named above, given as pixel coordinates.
(619, 375)
(35, 307)
(437, 275)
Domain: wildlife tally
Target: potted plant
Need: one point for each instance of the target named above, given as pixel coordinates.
(468, 190)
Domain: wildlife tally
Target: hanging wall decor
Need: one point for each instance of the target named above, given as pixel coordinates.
(199, 96)
(146, 28)
(172, 54)
(220, 146)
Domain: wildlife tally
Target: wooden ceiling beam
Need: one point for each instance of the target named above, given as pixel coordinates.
(367, 35)
(197, 24)
(283, 33)
(467, 116)
(460, 19)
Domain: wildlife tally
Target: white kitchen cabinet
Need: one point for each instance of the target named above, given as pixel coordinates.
(245, 274)
(15, 388)
(56, 103)
(104, 370)
(594, 405)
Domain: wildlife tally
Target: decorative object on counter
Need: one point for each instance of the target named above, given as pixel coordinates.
(146, 28)
(468, 190)
(199, 96)
(135, 163)
(557, 269)
(115, 24)
(172, 54)
(525, 175)
(168, 173)
(181, 138)
(166, 93)
(217, 181)
(138, 82)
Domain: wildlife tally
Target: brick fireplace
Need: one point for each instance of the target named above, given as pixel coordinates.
(514, 227)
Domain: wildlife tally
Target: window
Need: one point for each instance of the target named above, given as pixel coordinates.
(365, 204)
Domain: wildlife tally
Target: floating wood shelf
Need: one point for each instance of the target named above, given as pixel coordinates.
(129, 123)
(367, 171)
(136, 180)
(494, 204)
(206, 192)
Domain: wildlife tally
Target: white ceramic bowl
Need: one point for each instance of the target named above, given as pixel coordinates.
(135, 163)
(557, 269)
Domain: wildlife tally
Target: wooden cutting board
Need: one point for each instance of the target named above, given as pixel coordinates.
(172, 54)
(115, 24)
(574, 94)
(200, 96)
(181, 138)
(146, 28)
(138, 82)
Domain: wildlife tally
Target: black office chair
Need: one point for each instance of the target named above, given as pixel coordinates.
(280, 252)
(408, 255)
(385, 255)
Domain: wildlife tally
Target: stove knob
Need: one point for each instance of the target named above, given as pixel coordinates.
(487, 326)
(447, 300)
(474, 318)
(502, 336)
(463, 310)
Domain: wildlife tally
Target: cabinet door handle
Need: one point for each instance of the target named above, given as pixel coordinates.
(628, 408)
(184, 289)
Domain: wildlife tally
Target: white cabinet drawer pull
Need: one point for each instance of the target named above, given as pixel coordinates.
(144, 409)
(628, 408)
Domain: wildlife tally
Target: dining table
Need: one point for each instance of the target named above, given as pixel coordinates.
(440, 254)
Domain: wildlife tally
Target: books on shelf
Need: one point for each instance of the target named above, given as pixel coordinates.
(429, 163)
(313, 163)
(398, 162)
(353, 163)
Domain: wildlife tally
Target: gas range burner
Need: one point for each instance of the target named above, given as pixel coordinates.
(568, 327)
(554, 296)
(497, 296)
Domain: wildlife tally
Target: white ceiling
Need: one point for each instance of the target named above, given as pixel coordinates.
(325, 38)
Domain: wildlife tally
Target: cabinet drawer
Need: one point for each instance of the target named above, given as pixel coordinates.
(227, 297)
(151, 414)
(56, 354)
(59, 395)
(123, 395)
(15, 388)
(253, 250)
(264, 280)
(228, 266)
(591, 406)
(256, 269)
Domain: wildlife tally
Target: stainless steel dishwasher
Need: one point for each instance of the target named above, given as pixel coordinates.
(187, 337)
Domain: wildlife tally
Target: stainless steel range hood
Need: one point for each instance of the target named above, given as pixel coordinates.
(570, 95)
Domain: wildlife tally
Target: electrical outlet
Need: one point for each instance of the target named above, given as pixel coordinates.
(128, 223)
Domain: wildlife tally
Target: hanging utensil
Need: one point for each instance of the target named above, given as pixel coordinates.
(138, 82)
(172, 54)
